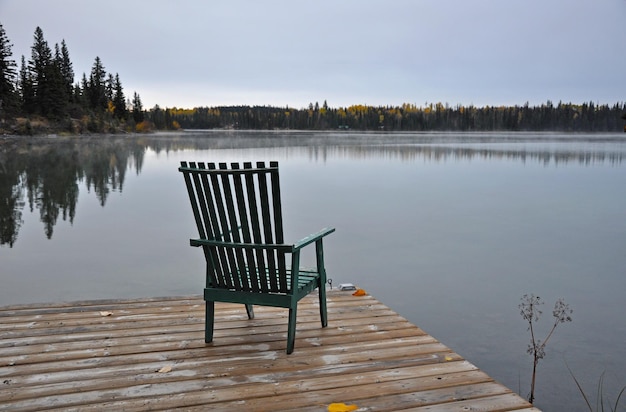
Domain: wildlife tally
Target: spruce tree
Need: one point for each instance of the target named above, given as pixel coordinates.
(26, 89)
(119, 101)
(58, 97)
(137, 108)
(82, 98)
(39, 68)
(67, 72)
(8, 98)
(109, 87)
(96, 89)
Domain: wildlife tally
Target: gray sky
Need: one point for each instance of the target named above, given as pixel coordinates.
(192, 53)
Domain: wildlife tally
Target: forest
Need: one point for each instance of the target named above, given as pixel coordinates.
(42, 97)
(587, 117)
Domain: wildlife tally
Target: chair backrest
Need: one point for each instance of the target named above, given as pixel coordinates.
(240, 208)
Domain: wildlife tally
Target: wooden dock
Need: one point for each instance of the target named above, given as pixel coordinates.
(149, 354)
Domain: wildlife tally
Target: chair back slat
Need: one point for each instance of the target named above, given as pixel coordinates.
(266, 225)
(245, 258)
(278, 226)
(261, 280)
(207, 206)
(196, 191)
(211, 222)
(230, 232)
(240, 205)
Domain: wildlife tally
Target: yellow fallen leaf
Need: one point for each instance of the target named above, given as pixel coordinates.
(359, 292)
(341, 407)
(105, 313)
(165, 369)
(449, 358)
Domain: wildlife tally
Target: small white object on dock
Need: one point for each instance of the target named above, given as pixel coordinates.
(347, 286)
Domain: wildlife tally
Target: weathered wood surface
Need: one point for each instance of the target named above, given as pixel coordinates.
(149, 354)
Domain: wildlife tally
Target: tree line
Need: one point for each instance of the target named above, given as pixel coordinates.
(588, 117)
(44, 88)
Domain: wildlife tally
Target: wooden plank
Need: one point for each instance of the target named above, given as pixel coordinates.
(393, 396)
(54, 383)
(70, 357)
(114, 318)
(357, 333)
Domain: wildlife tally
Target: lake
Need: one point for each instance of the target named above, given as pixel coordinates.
(448, 229)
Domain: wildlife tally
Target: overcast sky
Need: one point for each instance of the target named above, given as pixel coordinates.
(191, 53)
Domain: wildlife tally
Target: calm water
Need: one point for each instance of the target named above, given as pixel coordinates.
(450, 230)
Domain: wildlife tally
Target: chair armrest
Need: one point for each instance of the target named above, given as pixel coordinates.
(234, 245)
(313, 238)
(279, 247)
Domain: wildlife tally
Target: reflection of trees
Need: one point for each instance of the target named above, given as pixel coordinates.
(51, 184)
(11, 203)
(46, 171)
(104, 167)
(435, 153)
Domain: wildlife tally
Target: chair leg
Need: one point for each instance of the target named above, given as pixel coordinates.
(291, 332)
(323, 311)
(319, 253)
(208, 321)
(250, 311)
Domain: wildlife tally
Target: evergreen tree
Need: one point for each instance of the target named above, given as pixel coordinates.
(67, 72)
(137, 109)
(39, 68)
(96, 87)
(8, 98)
(26, 89)
(157, 117)
(119, 101)
(109, 87)
(83, 97)
(58, 93)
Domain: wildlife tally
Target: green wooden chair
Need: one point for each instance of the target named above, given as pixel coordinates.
(238, 214)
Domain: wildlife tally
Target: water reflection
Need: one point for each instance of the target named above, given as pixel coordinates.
(438, 153)
(45, 173)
